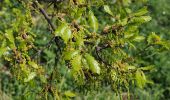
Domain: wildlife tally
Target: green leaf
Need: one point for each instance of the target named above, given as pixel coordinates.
(146, 18)
(76, 63)
(2, 51)
(131, 31)
(9, 35)
(141, 12)
(140, 20)
(81, 1)
(113, 75)
(93, 22)
(33, 64)
(147, 68)
(85, 64)
(63, 31)
(30, 77)
(107, 9)
(153, 38)
(92, 63)
(69, 94)
(165, 44)
(78, 13)
(130, 67)
(138, 38)
(43, 78)
(79, 38)
(140, 78)
(131, 45)
(68, 55)
(123, 22)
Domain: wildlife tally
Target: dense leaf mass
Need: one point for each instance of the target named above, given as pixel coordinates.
(62, 49)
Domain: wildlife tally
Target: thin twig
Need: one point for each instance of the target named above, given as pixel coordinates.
(43, 12)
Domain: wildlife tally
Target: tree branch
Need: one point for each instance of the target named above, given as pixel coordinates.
(42, 11)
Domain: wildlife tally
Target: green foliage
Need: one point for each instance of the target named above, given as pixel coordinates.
(158, 24)
(71, 47)
(63, 31)
(140, 78)
(108, 10)
(93, 23)
(92, 63)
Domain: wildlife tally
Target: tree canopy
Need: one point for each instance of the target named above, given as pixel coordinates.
(59, 49)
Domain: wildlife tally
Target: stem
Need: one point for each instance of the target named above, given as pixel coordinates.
(43, 12)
